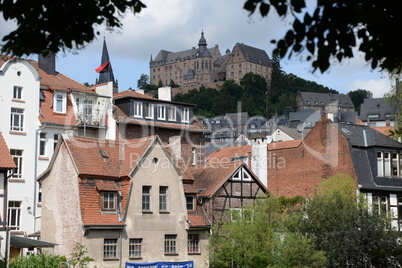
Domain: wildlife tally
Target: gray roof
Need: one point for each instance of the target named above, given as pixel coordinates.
(294, 133)
(364, 136)
(218, 62)
(323, 99)
(255, 55)
(376, 106)
(237, 118)
(23, 242)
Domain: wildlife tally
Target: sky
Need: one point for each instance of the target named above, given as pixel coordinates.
(176, 25)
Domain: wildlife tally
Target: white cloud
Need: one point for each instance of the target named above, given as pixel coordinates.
(378, 87)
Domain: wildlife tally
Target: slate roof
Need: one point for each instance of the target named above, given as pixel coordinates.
(294, 133)
(324, 99)
(6, 160)
(254, 55)
(365, 136)
(376, 106)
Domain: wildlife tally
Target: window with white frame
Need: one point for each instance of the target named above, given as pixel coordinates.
(190, 202)
(380, 204)
(170, 244)
(14, 215)
(146, 198)
(389, 164)
(60, 102)
(17, 157)
(135, 248)
(161, 112)
(17, 120)
(55, 140)
(149, 110)
(185, 115)
(163, 198)
(110, 249)
(138, 109)
(194, 156)
(241, 174)
(193, 243)
(17, 93)
(109, 201)
(42, 144)
(172, 113)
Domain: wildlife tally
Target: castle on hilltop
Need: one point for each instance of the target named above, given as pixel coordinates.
(207, 67)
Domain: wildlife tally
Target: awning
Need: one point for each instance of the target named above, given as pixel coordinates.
(23, 242)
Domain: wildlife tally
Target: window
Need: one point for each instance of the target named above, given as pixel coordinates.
(194, 156)
(110, 249)
(17, 119)
(135, 248)
(172, 113)
(146, 198)
(380, 204)
(236, 176)
(163, 198)
(241, 174)
(161, 112)
(17, 156)
(170, 244)
(193, 243)
(109, 201)
(185, 115)
(137, 109)
(389, 164)
(17, 93)
(373, 116)
(59, 102)
(55, 140)
(190, 202)
(149, 110)
(42, 144)
(14, 215)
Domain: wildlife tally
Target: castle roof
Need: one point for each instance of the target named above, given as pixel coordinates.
(254, 55)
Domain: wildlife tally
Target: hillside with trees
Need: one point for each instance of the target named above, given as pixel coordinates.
(252, 92)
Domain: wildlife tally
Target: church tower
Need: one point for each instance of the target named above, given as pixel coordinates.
(105, 69)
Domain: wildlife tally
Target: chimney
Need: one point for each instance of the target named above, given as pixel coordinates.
(48, 63)
(165, 93)
(141, 91)
(175, 146)
(259, 159)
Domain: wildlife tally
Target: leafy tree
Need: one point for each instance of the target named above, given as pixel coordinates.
(258, 237)
(172, 84)
(160, 83)
(343, 226)
(143, 82)
(358, 96)
(334, 28)
(42, 21)
(394, 97)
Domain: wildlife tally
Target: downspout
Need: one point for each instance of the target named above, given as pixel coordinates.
(121, 247)
(6, 215)
(36, 171)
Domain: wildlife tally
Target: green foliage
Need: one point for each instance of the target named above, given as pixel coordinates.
(37, 261)
(394, 98)
(346, 229)
(143, 82)
(42, 20)
(160, 83)
(332, 29)
(358, 96)
(258, 237)
(79, 256)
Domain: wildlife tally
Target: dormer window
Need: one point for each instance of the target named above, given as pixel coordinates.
(109, 201)
(60, 102)
(149, 110)
(190, 202)
(161, 112)
(137, 109)
(172, 113)
(185, 115)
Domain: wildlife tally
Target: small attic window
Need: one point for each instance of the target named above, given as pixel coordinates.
(346, 131)
(103, 154)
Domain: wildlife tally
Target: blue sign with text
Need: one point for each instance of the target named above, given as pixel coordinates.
(186, 264)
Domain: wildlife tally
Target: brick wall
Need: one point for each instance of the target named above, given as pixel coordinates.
(298, 171)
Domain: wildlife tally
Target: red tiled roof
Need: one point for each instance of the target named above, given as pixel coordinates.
(90, 199)
(199, 219)
(131, 94)
(47, 113)
(197, 126)
(6, 160)
(209, 179)
(384, 130)
(119, 158)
